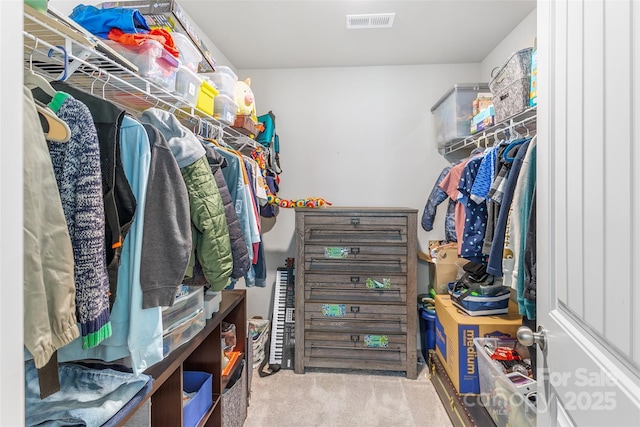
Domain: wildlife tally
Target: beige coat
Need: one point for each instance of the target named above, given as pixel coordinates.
(49, 288)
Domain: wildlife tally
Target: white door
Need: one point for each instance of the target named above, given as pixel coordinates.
(589, 212)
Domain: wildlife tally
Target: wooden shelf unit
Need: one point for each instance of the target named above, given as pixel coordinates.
(202, 353)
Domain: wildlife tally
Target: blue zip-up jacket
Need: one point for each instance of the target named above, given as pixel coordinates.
(437, 196)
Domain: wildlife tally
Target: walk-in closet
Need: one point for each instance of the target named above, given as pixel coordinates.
(308, 213)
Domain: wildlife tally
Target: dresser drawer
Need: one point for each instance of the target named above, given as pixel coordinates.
(380, 347)
(354, 287)
(360, 258)
(355, 229)
(359, 318)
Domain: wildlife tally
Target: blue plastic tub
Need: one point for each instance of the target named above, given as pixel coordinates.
(428, 330)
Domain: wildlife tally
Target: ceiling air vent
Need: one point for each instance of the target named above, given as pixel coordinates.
(373, 20)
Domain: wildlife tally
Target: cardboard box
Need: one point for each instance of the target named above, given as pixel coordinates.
(445, 267)
(455, 332)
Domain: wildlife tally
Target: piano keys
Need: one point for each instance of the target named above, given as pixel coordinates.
(282, 350)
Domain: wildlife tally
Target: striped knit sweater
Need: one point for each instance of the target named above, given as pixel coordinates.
(76, 165)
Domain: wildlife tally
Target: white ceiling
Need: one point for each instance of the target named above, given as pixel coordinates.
(270, 34)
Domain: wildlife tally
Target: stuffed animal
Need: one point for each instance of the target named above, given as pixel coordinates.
(243, 96)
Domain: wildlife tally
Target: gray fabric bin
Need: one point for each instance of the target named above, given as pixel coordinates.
(234, 402)
(511, 84)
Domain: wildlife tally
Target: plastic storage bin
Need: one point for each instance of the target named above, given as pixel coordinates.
(189, 54)
(453, 112)
(154, 62)
(511, 85)
(182, 333)
(506, 405)
(206, 97)
(224, 109)
(225, 80)
(199, 404)
(188, 85)
(428, 331)
(183, 309)
(234, 401)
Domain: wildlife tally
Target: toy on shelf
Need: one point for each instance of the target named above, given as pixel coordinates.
(246, 118)
(245, 99)
(309, 202)
(259, 155)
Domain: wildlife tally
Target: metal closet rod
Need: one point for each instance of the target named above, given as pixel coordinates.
(507, 127)
(112, 87)
(492, 134)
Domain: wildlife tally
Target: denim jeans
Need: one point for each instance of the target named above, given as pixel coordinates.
(87, 397)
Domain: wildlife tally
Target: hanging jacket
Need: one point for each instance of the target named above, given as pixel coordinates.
(49, 287)
(166, 245)
(437, 196)
(210, 236)
(259, 264)
(211, 242)
(494, 265)
(530, 274)
(76, 165)
(241, 261)
(119, 201)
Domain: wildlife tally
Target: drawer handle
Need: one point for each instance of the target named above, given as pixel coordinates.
(355, 279)
(355, 338)
(355, 309)
(355, 221)
(355, 251)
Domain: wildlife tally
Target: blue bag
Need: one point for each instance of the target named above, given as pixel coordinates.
(269, 138)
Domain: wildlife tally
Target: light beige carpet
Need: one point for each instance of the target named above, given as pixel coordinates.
(333, 398)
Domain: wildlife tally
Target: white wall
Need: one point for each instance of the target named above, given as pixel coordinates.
(521, 37)
(11, 306)
(357, 137)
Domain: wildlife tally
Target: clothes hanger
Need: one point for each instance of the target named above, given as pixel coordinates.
(58, 130)
(33, 80)
(511, 146)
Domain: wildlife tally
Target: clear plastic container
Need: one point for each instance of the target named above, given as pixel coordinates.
(188, 85)
(183, 308)
(225, 80)
(503, 401)
(183, 332)
(190, 56)
(453, 112)
(224, 109)
(154, 62)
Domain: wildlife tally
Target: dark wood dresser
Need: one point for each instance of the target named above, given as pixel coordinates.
(356, 289)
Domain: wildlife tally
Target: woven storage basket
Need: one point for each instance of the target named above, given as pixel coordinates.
(234, 402)
(511, 84)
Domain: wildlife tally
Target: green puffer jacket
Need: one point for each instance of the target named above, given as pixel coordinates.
(211, 242)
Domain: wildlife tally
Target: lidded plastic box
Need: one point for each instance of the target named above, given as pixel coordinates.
(183, 308)
(453, 112)
(189, 54)
(188, 85)
(154, 62)
(206, 97)
(507, 405)
(225, 80)
(183, 332)
(224, 109)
